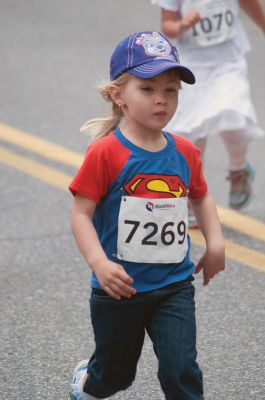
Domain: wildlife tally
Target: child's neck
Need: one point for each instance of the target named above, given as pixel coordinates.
(150, 141)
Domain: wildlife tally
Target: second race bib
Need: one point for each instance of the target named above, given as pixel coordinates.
(216, 25)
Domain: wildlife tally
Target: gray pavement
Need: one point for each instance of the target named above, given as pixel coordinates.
(52, 54)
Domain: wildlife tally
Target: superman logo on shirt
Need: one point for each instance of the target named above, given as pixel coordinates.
(155, 186)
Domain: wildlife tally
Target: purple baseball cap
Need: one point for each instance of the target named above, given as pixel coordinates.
(145, 55)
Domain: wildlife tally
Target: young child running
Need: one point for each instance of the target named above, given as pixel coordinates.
(211, 40)
(129, 220)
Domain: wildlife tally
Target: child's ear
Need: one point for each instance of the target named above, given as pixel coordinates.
(116, 94)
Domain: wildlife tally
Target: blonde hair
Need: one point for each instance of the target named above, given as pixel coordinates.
(100, 127)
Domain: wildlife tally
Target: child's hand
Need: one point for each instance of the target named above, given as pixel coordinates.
(190, 19)
(212, 262)
(114, 279)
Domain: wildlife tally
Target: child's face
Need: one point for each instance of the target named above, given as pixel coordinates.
(149, 104)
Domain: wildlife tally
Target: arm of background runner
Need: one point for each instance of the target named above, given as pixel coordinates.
(173, 25)
(255, 10)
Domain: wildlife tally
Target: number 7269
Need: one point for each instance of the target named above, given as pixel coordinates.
(167, 234)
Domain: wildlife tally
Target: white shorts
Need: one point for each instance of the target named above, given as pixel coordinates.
(219, 101)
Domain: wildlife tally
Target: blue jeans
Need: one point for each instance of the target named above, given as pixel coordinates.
(168, 316)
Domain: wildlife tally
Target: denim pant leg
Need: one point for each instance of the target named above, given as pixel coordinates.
(172, 329)
(119, 335)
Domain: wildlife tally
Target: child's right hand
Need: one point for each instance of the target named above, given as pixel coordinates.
(114, 279)
(190, 19)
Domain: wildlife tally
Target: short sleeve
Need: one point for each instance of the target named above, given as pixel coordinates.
(198, 185)
(170, 5)
(103, 163)
(92, 179)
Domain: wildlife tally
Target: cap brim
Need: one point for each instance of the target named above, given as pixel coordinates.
(156, 67)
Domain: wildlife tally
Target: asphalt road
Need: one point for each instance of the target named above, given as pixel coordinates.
(53, 53)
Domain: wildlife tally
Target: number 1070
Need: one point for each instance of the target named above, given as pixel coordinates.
(215, 23)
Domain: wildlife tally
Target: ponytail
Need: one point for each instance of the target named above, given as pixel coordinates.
(100, 127)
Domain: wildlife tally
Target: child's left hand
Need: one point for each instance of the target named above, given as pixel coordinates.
(212, 262)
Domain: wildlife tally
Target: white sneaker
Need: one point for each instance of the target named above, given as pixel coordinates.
(79, 378)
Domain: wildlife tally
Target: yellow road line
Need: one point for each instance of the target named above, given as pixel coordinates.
(40, 146)
(242, 223)
(234, 251)
(34, 168)
(232, 219)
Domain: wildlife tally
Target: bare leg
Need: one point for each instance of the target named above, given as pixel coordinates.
(241, 174)
(236, 145)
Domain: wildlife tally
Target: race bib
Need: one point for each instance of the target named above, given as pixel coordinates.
(217, 23)
(152, 230)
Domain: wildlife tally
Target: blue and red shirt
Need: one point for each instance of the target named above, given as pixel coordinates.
(114, 167)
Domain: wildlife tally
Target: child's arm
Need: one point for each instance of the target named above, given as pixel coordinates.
(254, 9)
(213, 260)
(111, 276)
(173, 25)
